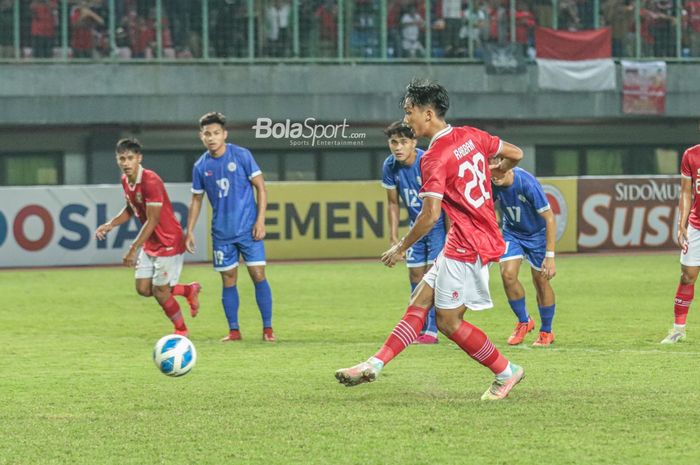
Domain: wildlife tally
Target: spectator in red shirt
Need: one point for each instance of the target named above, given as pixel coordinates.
(692, 8)
(83, 22)
(524, 26)
(44, 14)
(326, 15)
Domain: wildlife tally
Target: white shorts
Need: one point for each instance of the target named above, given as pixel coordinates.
(690, 256)
(161, 270)
(458, 283)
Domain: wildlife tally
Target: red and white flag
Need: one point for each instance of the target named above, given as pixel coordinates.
(575, 61)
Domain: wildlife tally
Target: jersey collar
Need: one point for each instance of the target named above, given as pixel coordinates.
(443, 132)
(138, 179)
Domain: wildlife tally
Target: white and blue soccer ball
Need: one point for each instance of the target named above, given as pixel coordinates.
(174, 355)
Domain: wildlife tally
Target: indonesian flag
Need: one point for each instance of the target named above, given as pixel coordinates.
(578, 61)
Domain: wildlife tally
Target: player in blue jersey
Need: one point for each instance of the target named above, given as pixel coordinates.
(401, 179)
(529, 230)
(228, 174)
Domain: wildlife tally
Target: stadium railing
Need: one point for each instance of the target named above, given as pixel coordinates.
(337, 31)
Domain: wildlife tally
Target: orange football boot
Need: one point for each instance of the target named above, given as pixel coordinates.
(544, 340)
(521, 329)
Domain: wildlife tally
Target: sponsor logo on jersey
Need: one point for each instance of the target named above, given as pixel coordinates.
(139, 198)
(557, 203)
(231, 167)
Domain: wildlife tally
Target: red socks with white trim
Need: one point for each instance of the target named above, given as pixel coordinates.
(404, 333)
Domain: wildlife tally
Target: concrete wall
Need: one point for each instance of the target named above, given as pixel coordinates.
(80, 110)
(169, 94)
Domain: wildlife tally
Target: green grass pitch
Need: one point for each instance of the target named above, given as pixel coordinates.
(77, 384)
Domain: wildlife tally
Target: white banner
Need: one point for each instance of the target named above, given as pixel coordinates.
(577, 76)
(55, 226)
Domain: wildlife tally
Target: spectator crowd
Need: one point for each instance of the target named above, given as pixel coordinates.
(235, 28)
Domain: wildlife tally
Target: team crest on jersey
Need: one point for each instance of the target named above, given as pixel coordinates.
(455, 295)
(208, 173)
(231, 167)
(139, 198)
(522, 198)
(420, 181)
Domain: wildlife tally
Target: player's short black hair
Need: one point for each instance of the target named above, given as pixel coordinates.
(399, 128)
(425, 93)
(213, 117)
(128, 144)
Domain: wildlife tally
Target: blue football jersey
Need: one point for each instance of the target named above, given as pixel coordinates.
(407, 181)
(226, 180)
(521, 204)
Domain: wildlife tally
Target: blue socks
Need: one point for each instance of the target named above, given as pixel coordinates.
(430, 325)
(547, 315)
(229, 298)
(520, 311)
(263, 296)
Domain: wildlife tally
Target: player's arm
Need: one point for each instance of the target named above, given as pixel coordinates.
(426, 219)
(392, 203)
(684, 203)
(259, 228)
(548, 266)
(192, 216)
(152, 219)
(121, 218)
(507, 158)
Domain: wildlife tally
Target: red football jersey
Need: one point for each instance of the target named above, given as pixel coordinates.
(690, 168)
(455, 169)
(167, 239)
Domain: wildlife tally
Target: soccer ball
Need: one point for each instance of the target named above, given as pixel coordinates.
(174, 355)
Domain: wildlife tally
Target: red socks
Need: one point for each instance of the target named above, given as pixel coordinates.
(182, 289)
(474, 342)
(471, 339)
(684, 296)
(404, 333)
(172, 310)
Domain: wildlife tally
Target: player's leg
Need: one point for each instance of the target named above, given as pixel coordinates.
(515, 292)
(402, 335)
(167, 272)
(427, 334)
(191, 293)
(546, 304)
(433, 244)
(416, 262)
(144, 287)
(226, 263)
(690, 266)
(460, 286)
(684, 297)
(535, 249)
(143, 274)
(253, 253)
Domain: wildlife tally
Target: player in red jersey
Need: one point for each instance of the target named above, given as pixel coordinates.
(688, 240)
(159, 263)
(456, 176)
